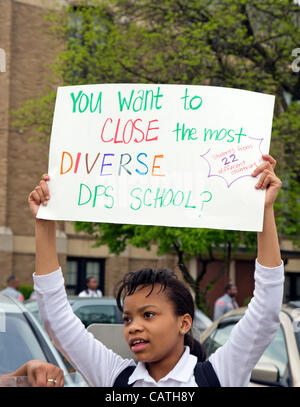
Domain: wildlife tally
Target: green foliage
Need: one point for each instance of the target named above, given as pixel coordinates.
(246, 301)
(232, 43)
(191, 241)
(26, 290)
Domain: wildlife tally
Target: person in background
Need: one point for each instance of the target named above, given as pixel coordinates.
(12, 288)
(227, 302)
(39, 374)
(92, 288)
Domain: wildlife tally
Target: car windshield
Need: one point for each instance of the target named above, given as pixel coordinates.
(34, 309)
(18, 343)
(275, 353)
(87, 313)
(92, 314)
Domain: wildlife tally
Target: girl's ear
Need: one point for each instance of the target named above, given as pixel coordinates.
(186, 324)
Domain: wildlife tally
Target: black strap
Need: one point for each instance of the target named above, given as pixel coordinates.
(204, 373)
(122, 379)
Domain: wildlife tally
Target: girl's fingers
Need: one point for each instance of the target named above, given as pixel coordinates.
(34, 196)
(270, 159)
(267, 181)
(261, 168)
(269, 164)
(45, 189)
(45, 177)
(38, 189)
(43, 199)
(262, 180)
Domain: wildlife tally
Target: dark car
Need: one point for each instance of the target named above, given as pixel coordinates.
(101, 310)
(93, 310)
(280, 362)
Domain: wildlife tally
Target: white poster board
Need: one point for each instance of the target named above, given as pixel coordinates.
(172, 155)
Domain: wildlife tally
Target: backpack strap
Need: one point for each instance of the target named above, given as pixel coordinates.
(122, 379)
(205, 375)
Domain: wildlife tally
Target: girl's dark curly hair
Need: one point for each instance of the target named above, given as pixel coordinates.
(176, 292)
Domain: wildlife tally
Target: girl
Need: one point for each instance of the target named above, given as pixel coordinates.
(158, 313)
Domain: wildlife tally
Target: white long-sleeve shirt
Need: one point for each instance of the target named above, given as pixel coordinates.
(100, 366)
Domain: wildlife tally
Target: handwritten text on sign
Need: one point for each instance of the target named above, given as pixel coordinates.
(171, 155)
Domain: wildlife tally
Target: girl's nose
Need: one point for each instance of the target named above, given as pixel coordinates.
(135, 326)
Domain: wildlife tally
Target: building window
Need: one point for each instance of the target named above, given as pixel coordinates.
(292, 287)
(79, 269)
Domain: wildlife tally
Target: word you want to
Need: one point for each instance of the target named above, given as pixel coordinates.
(137, 101)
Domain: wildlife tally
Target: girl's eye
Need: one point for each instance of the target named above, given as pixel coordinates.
(149, 314)
(126, 320)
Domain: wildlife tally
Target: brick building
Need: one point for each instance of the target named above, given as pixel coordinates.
(29, 48)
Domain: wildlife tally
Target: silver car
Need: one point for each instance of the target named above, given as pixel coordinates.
(280, 363)
(22, 339)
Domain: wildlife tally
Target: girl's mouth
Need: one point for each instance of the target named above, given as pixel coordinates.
(138, 347)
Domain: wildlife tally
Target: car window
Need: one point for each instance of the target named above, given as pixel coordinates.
(217, 338)
(18, 344)
(92, 314)
(33, 308)
(275, 353)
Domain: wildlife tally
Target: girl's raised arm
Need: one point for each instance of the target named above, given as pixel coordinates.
(45, 231)
(234, 361)
(268, 250)
(97, 364)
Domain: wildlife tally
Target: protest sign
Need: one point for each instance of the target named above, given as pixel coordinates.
(172, 155)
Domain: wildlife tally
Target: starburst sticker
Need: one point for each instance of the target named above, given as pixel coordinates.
(235, 163)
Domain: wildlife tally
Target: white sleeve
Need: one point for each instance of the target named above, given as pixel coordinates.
(98, 365)
(234, 361)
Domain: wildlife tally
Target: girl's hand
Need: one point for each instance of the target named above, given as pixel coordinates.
(40, 195)
(42, 374)
(268, 179)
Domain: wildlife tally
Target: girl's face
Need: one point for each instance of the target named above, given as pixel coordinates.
(152, 322)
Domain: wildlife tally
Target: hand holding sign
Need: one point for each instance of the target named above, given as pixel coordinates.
(39, 196)
(169, 155)
(268, 179)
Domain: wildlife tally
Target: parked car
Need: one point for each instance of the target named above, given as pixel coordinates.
(22, 339)
(280, 363)
(93, 310)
